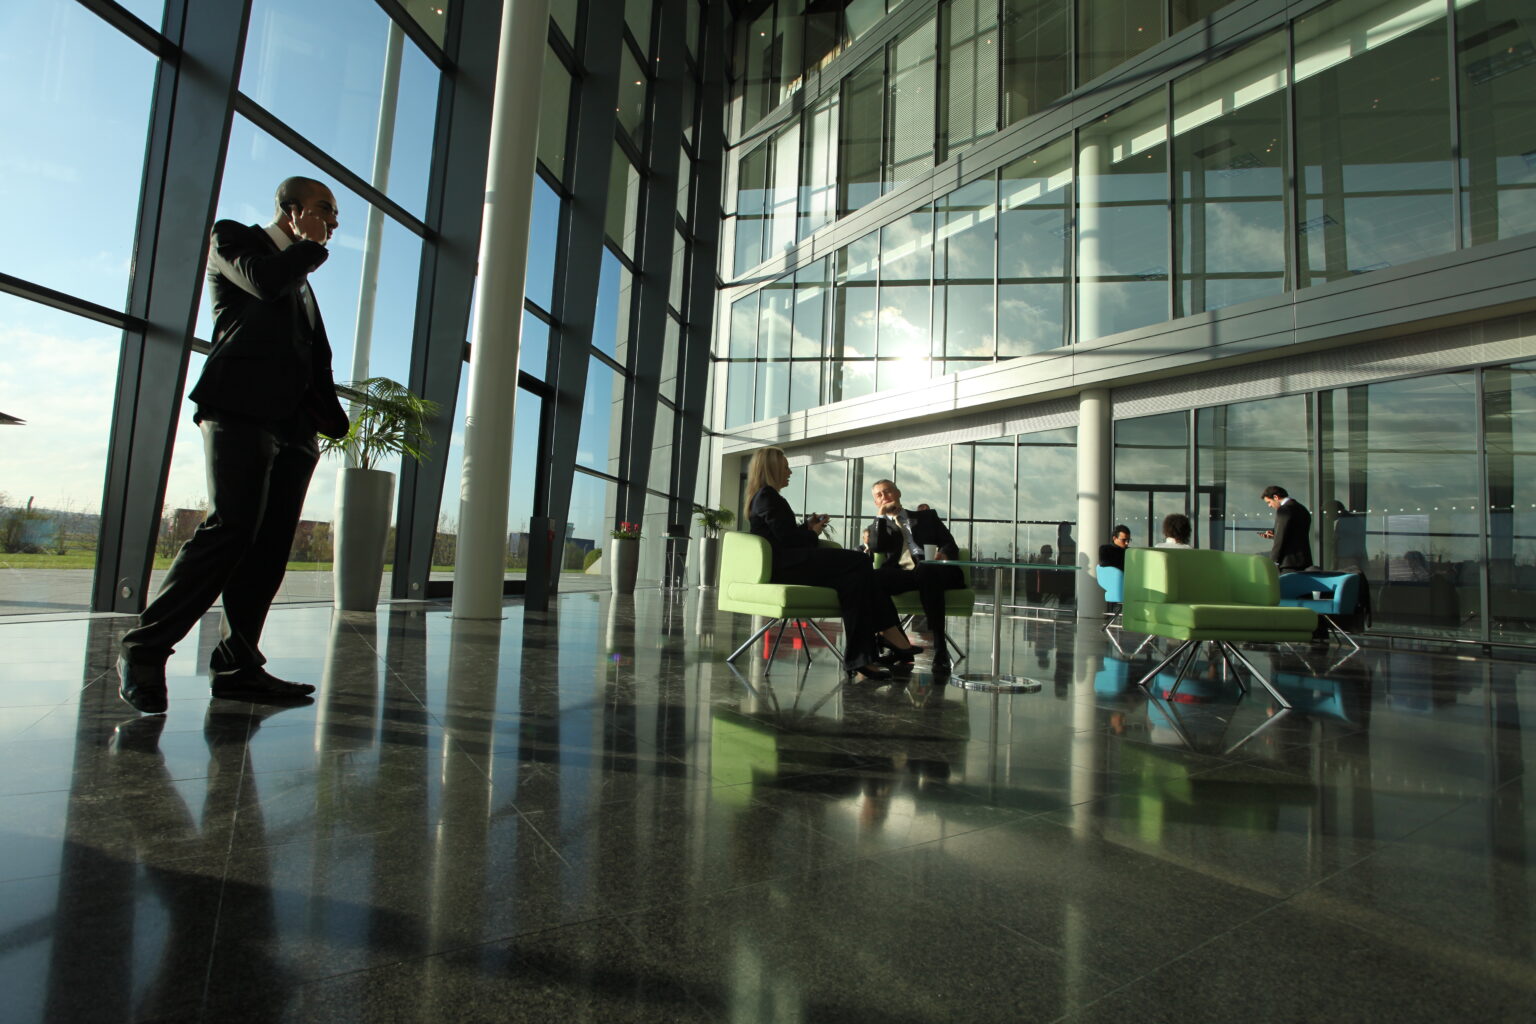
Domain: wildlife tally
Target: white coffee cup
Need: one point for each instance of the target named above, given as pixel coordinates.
(930, 552)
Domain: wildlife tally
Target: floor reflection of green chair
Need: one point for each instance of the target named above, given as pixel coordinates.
(1215, 597)
(746, 562)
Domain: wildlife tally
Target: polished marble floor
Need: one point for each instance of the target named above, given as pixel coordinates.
(586, 815)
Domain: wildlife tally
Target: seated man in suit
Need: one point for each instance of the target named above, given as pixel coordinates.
(1113, 553)
(900, 535)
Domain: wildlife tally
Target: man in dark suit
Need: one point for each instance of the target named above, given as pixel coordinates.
(1113, 553)
(264, 392)
(1292, 550)
(900, 535)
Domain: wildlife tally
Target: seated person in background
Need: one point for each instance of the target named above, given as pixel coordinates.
(798, 558)
(1176, 531)
(900, 535)
(1113, 553)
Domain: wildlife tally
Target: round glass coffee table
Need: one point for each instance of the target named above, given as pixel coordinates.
(996, 681)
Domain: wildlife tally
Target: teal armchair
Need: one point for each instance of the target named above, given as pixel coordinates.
(1215, 597)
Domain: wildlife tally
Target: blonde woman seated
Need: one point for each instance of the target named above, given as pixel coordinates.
(798, 558)
(1176, 531)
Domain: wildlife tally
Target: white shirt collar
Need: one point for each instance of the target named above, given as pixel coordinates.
(279, 236)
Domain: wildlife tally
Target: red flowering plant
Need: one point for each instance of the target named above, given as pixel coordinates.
(626, 531)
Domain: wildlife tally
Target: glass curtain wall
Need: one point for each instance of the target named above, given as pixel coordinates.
(78, 96)
(1122, 228)
(969, 46)
(1137, 218)
(1509, 430)
(1151, 474)
(1230, 161)
(1373, 125)
(1496, 78)
(1034, 251)
(1402, 458)
(1241, 449)
(1004, 498)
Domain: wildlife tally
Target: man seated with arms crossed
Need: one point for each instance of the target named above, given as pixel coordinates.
(900, 535)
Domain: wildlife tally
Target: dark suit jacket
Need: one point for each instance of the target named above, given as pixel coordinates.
(268, 363)
(927, 528)
(1293, 536)
(1112, 555)
(770, 517)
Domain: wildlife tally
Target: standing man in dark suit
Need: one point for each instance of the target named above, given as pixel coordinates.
(900, 535)
(264, 392)
(1292, 534)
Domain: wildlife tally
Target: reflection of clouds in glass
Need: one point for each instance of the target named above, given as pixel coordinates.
(1048, 483)
(1031, 243)
(923, 476)
(906, 248)
(1243, 237)
(994, 485)
(904, 321)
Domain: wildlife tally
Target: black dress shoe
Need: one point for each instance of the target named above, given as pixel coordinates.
(142, 686)
(257, 683)
(870, 672)
(941, 665)
(900, 655)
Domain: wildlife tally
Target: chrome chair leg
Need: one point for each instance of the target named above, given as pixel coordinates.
(836, 653)
(1336, 628)
(1189, 660)
(805, 645)
(1144, 680)
(1263, 680)
(778, 639)
(751, 639)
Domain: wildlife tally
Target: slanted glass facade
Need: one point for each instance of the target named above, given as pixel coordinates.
(387, 103)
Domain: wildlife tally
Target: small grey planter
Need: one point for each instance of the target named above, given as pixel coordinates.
(709, 562)
(363, 498)
(623, 563)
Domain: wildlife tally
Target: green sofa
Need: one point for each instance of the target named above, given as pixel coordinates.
(746, 562)
(1215, 597)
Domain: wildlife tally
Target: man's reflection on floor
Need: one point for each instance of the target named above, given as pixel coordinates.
(217, 933)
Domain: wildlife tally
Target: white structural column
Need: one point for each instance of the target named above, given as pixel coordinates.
(373, 235)
(1089, 242)
(495, 334)
(1095, 494)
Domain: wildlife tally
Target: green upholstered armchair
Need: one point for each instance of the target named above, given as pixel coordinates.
(1214, 597)
(746, 562)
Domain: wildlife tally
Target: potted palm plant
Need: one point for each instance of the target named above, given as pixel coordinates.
(713, 520)
(390, 421)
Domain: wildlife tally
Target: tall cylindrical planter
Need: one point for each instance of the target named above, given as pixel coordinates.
(623, 563)
(709, 561)
(363, 498)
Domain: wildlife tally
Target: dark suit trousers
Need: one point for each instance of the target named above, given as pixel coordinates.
(930, 580)
(257, 478)
(866, 608)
